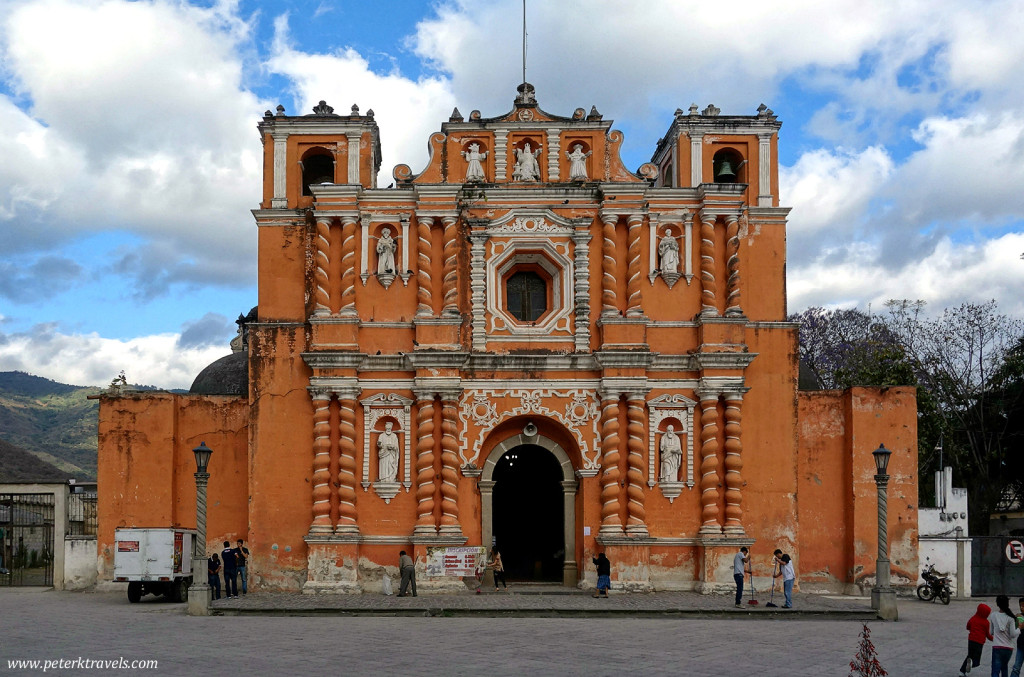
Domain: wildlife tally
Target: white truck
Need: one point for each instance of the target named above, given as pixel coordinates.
(154, 561)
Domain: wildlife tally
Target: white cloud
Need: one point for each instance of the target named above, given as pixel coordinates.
(89, 359)
(406, 111)
(952, 273)
(138, 119)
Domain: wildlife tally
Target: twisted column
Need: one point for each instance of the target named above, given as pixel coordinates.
(633, 276)
(323, 264)
(611, 523)
(449, 470)
(732, 253)
(347, 464)
(709, 464)
(348, 266)
(733, 464)
(424, 282)
(709, 288)
(637, 515)
(882, 483)
(321, 462)
(609, 299)
(449, 284)
(425, 466)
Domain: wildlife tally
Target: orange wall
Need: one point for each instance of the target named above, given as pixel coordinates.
(147, 470)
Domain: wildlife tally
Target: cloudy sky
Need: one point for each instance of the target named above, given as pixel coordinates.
(129, 159)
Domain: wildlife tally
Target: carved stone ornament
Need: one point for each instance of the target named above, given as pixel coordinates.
(322, 108)
(474, 166)
(478, 411)
(387, 267)
(391, 440)
(668, 258)
(670, 426)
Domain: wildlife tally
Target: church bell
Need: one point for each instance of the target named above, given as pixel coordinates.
(725, 173)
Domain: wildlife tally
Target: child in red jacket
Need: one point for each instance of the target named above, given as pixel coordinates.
(977, 632)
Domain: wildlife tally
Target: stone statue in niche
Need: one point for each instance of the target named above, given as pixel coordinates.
(578, 163)
(475, 169)
(671, 455)
(668, 251)
(386, 247)
(387, 454)
(527, 168)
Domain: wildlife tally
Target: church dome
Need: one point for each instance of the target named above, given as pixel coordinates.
(227, 376)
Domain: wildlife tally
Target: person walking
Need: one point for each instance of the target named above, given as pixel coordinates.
(604, 575)
(242, 562)
(227, 557)
(977, 633)
(1004, 631)
(408, 569)
(1019, 660)
(499, 569)
(213, 574)
(739, 566)
(788, 578)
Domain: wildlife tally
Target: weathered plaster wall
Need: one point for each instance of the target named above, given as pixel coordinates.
(146, 474)
(837, 493)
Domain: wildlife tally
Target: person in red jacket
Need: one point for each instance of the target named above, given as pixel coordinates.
(977, 632)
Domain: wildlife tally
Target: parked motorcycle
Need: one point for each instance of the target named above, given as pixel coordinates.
(935, 585)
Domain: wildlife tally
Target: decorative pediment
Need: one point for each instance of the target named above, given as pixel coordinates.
(532, 221)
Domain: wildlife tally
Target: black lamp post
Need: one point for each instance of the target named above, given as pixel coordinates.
(199, 593)
(883, 597)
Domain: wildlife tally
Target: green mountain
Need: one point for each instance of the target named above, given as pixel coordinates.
(17, 465)
(54, 422)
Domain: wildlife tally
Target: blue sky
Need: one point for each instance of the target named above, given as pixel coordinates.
(131, 158)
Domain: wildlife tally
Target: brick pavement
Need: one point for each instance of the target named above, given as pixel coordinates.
(928, 640)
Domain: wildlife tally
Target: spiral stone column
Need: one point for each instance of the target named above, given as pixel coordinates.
(709, 287)
(449, 284)
(709, 481)
(609, 298)
(732, 253)
(424, 281)
(347, 463)
(633, 274)
(611, 523)
(425, 465)
(323, 264)
(348, 266)
(636, 524)
(449, 470)
(733, 464)
(321, 463)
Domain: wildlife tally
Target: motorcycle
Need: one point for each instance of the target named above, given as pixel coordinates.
(935, 585)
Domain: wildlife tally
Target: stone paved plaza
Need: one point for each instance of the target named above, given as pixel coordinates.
(692, 639)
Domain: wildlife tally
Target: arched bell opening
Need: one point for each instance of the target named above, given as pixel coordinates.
(729, 166)
(317, 167)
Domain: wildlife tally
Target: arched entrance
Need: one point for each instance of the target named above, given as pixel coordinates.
(527, 518)
(528, 502)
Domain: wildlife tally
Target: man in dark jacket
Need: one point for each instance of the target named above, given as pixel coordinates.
(227, 557)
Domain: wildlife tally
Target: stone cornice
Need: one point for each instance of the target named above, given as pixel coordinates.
(493, 362)
(724, 360)
(611, 359)
(436, 359)
(333, 360)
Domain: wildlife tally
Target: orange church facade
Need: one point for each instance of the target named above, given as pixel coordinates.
(528, 345)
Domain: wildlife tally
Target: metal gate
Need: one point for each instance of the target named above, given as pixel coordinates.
(26, 539)
(997, 566)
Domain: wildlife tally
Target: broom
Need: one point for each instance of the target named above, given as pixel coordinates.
(774, 570)
(753, 592)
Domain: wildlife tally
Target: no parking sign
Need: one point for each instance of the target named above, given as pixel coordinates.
(1015, 552)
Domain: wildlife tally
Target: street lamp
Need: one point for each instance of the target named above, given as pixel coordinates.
(883, 597)
(199, 593)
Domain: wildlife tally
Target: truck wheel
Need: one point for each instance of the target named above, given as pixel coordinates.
(181, 589)
(134, 592)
